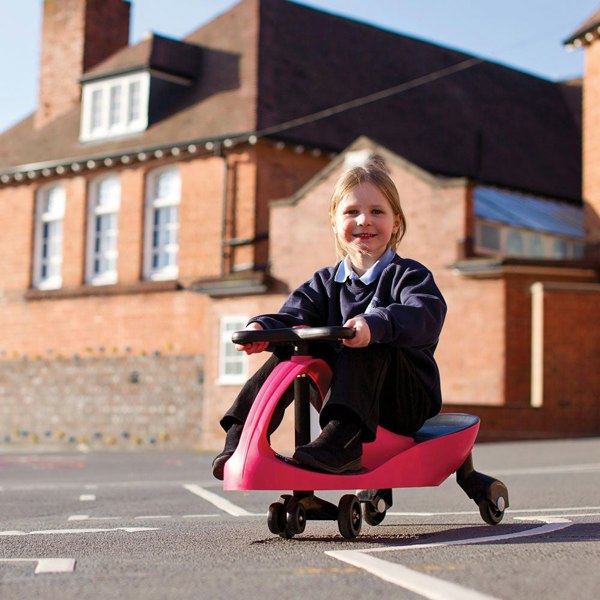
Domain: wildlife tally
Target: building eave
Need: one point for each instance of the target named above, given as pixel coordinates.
(68, 166)
(498, 268)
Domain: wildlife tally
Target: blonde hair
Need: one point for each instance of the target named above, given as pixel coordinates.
(373, 171)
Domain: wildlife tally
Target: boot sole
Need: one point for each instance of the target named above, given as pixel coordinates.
(218, 465)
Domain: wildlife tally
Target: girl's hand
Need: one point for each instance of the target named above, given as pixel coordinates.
(362, 333)
(254, 347)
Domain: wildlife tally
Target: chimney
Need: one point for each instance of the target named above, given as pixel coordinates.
(588, 38)
(76, 36)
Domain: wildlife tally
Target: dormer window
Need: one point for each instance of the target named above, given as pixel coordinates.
(115, 106)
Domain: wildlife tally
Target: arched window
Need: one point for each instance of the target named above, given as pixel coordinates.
(103, 229)
(161, 248)
(48, 244)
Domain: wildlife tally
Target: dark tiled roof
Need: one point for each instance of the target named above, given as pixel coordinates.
(154, 52)
(488, 122)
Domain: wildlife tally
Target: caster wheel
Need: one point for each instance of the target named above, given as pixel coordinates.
(489, 512)
(296, 518)
(371, 515)
(276, 518)
(349, 516)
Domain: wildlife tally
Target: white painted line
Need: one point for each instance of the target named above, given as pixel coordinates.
(432, 514)
(71, 531)
(551, 524)
(425, 585)
(566, 469)
(508, 511)
(87, 497)
(55, 565)
(217, 500)
(419, 583)
(47, 565)
(88, 518)
(542, 517)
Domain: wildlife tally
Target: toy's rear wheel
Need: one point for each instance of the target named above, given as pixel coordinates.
(349, 516)
(490, 512)
(296, 518)
(276, 518)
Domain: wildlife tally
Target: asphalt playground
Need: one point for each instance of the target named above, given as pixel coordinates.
(155, 524)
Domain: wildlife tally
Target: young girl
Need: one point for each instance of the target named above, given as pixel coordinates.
(386, 374)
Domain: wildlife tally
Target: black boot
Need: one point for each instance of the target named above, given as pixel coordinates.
(338, 449)
(232, 439)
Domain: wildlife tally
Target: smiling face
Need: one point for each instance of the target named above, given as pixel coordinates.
(364, 223)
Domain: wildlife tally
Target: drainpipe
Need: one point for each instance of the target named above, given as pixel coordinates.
(537, 344)
(224, 206)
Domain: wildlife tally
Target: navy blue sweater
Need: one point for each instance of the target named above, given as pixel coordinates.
(403, 308)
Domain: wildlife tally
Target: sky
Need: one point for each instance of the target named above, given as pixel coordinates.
(524, 34)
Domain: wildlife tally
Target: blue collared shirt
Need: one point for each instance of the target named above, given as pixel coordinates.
(344, 271)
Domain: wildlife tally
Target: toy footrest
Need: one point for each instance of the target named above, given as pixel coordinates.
(444, 424)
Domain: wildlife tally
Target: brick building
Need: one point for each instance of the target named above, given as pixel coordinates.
(163, 192)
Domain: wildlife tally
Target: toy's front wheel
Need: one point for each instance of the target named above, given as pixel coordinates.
(371, 515)
(489, 512)
(349, 516)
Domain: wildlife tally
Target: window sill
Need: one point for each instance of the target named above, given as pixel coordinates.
(223, 382)
(117, 289)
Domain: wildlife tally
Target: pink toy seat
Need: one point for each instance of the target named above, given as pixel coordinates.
(392, 460)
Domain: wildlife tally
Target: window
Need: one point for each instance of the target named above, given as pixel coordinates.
(102, 232)
(535, 245)
(488, 236)
(514, 243)
(114, 110)
(115, 106)
(503, 240)
(162, 224)
(50, 212)
(233, 365)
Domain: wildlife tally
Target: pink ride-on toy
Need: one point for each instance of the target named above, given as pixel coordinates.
(441, 447)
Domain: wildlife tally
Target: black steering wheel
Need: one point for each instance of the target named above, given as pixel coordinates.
(293, 335)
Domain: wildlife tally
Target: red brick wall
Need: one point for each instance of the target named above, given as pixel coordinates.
(201, 215)
(571, 350)
(569, 381)
(280, 173)
(484, 353)
(71, 320)
(16, 241)
(131, 224)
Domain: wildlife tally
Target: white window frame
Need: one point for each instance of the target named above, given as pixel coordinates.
(48, 240)
(228, 356)
(156, 203)
(102, 117)
(103, 245)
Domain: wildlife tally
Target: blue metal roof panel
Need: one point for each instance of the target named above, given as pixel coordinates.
(528, 212)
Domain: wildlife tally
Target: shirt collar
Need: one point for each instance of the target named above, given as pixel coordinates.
(344, 270)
